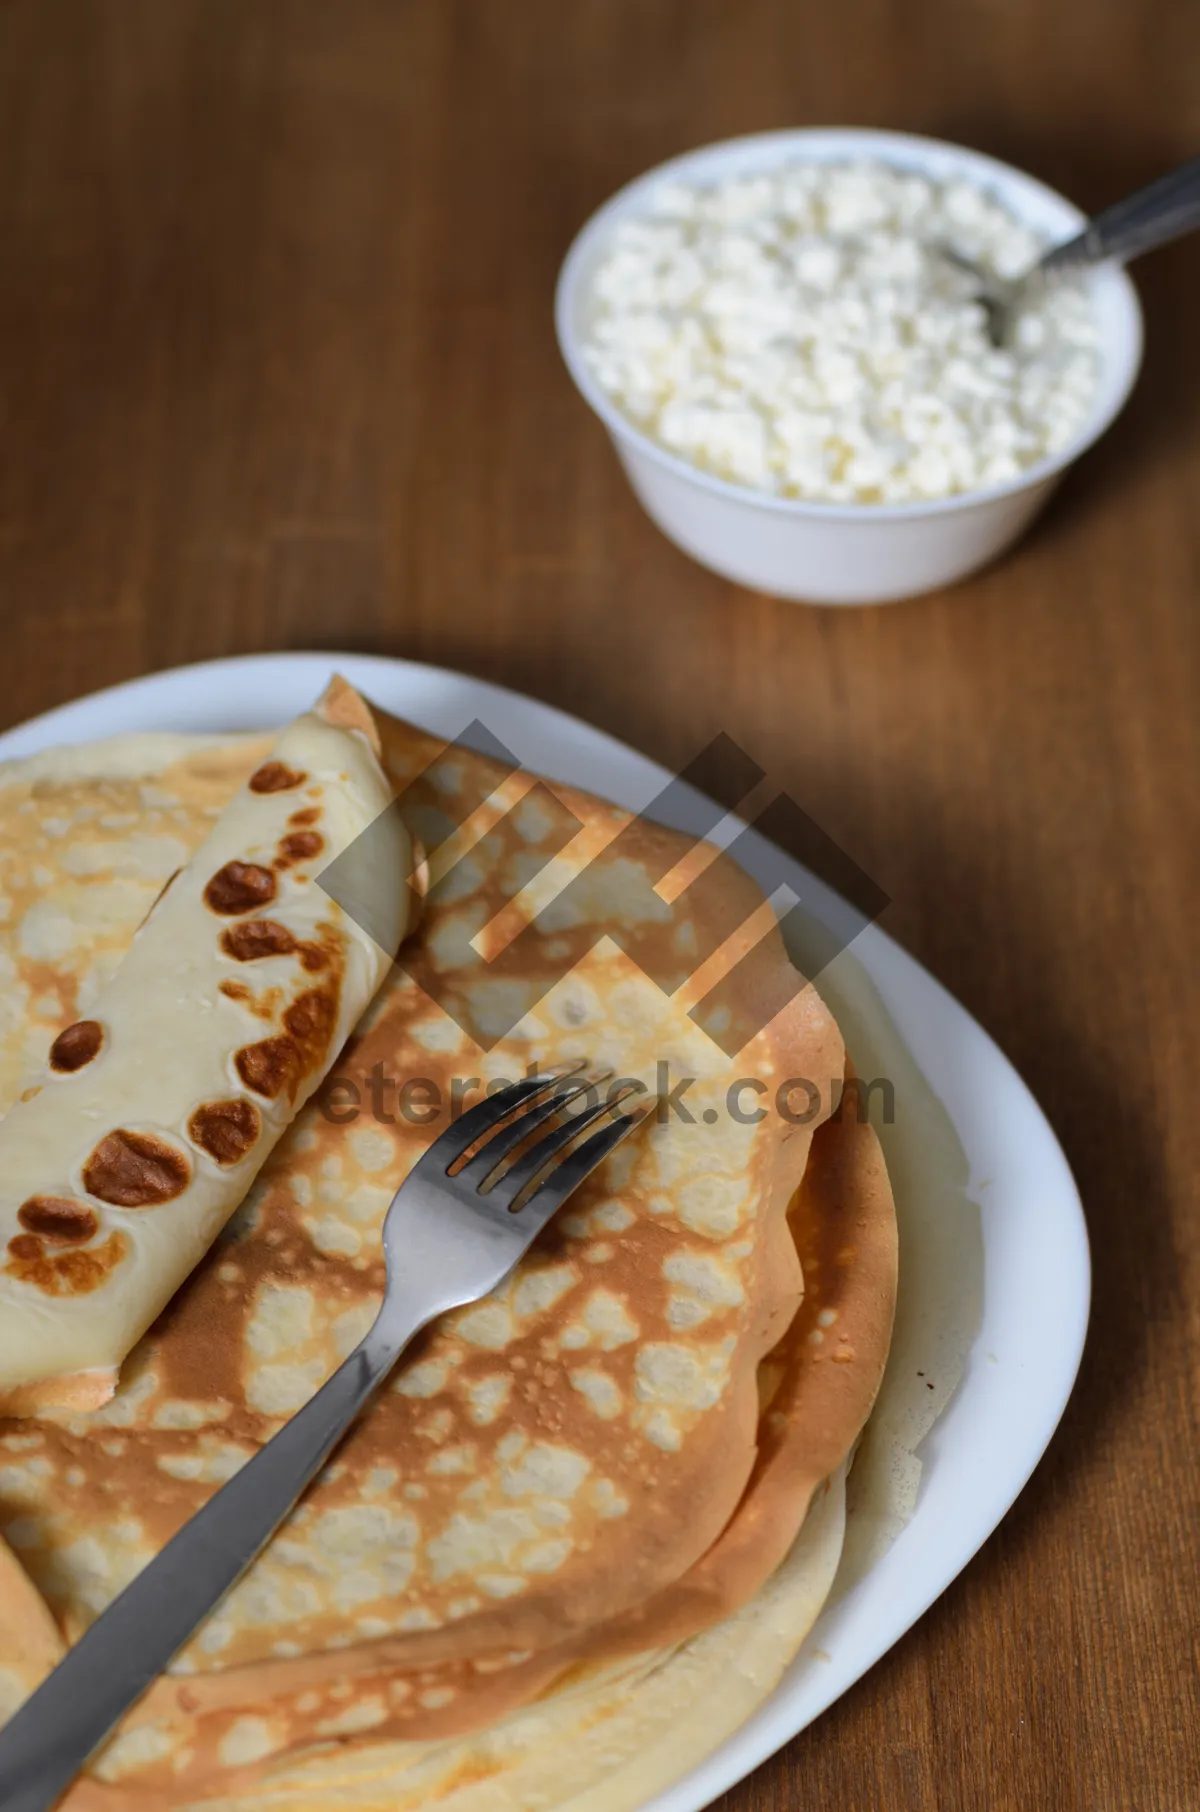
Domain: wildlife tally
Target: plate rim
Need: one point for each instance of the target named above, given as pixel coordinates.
(794, 1703)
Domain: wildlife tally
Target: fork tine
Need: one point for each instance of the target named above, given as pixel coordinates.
(578, 1165)
(475, 1172)
(462, 1133)
(532, 1162)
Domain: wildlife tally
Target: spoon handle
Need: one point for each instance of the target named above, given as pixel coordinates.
(1158, 213)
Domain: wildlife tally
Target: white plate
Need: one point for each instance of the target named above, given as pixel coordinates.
(1033, 1246)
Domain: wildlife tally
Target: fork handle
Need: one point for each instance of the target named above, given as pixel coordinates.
(54, 1733)
(1151, 217)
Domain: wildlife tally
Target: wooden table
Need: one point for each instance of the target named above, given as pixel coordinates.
(278, 371)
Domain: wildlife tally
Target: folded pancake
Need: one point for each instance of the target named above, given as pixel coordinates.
(818, 1386)
(608, 1738)
(556, 1460)
(125, 1155)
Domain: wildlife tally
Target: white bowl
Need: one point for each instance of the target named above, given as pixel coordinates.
(825, 553)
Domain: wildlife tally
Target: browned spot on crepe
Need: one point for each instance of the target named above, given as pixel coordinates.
(76, 1046)
(59, 1219)
(226, 1130)
(264, 1006)
(299, 846)
(261, 938)
(299, 820)
(256, 939)
(70, 1273)
(136, 1170)
(275, 1064)
(310, 1020)
(275, 777)
(269, 1066)
(239, 887)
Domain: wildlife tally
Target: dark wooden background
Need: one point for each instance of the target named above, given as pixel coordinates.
(277, 370)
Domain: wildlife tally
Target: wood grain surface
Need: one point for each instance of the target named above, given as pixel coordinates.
(277, 370)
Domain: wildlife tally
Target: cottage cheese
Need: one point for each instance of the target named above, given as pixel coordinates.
(800, 332)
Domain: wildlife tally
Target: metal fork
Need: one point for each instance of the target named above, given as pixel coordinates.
(456, 1227)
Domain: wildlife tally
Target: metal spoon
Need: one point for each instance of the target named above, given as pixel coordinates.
(1150, 217)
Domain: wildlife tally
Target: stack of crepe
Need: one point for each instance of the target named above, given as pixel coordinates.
(622, 1469)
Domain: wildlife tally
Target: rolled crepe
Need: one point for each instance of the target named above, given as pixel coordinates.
(123, 1160)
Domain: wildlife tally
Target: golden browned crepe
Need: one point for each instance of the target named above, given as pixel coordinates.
(596, 1460)
(820, 1379)
(607, 1738)
(149, 1119)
